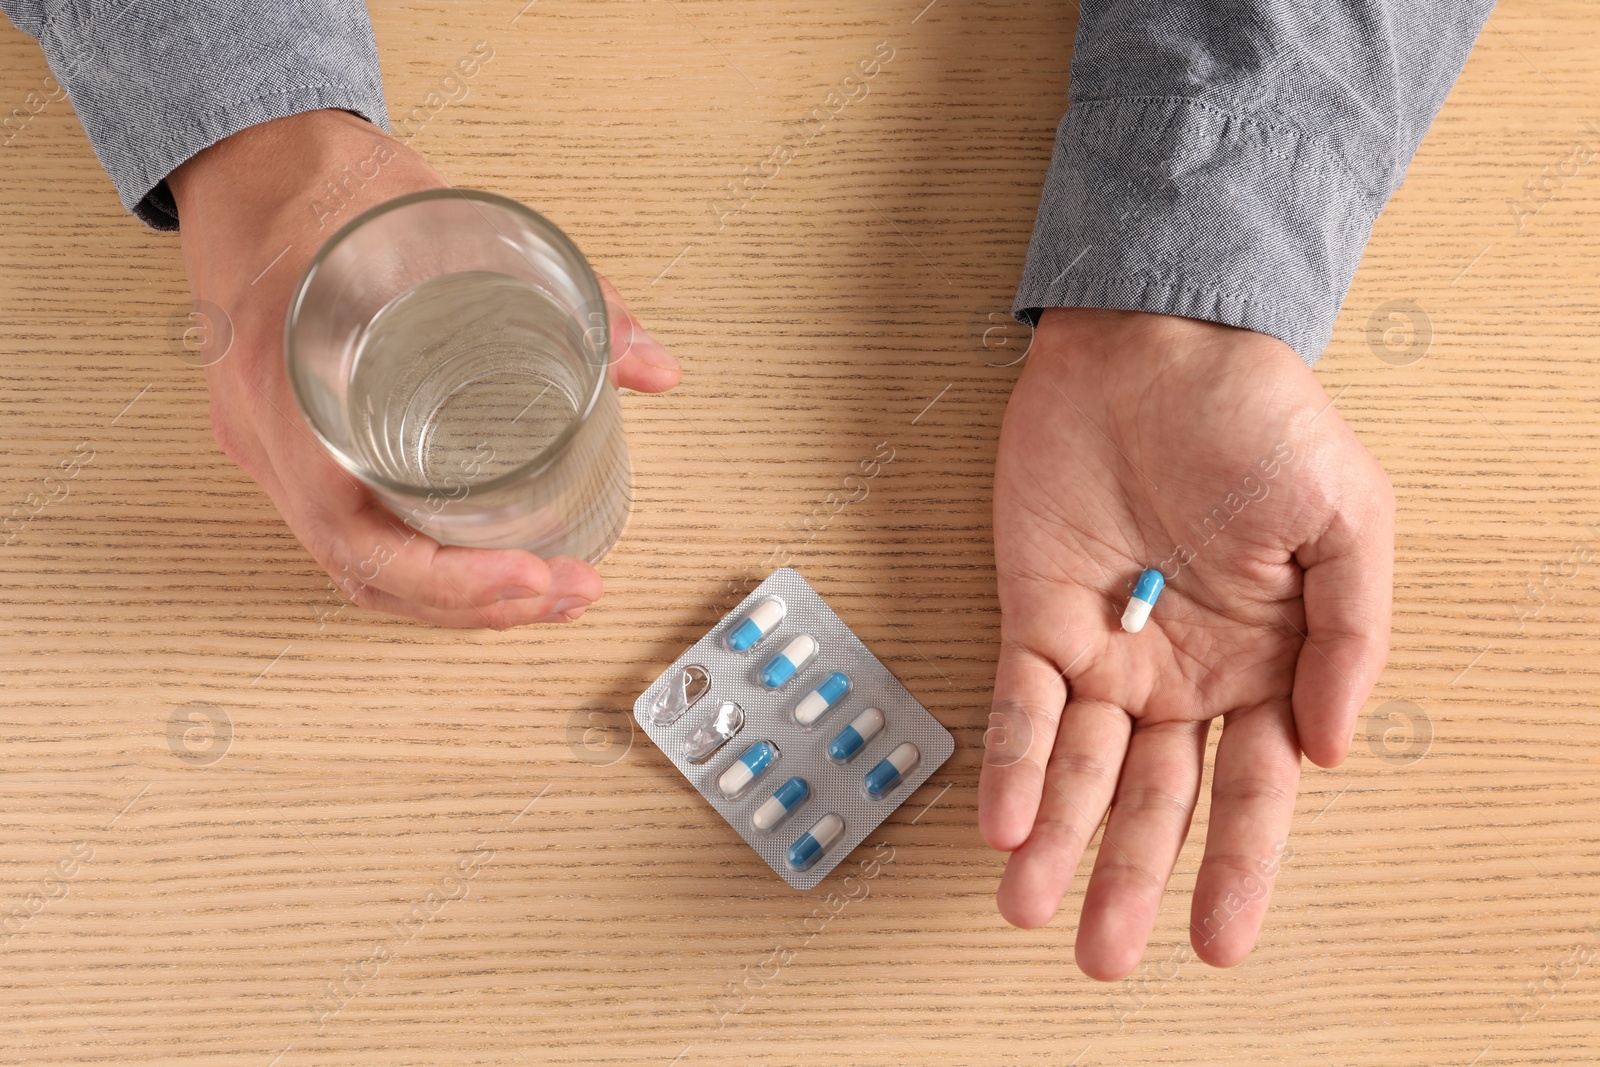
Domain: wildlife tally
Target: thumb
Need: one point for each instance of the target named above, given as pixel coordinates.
(1029, 694)
(1349, 577)
(638, 361)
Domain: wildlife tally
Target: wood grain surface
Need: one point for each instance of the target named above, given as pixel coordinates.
(257, 890)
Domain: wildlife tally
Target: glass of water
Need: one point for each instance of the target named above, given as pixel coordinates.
(450, 349)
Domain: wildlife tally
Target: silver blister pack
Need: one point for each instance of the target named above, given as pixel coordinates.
(718, 716)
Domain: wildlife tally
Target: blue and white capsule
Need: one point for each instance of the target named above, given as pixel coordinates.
(781, 804)
(750, 765)
(795, 655)
(1144, 596)
(853, 738)
(893, 768)
(756, 625)
(823, 835)
(816, 703)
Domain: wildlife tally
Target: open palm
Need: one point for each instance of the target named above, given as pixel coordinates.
(1134, 441)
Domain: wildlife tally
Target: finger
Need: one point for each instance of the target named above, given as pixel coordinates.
(1252, 802)
(1349, 579)
(359, 543)
(1079, 779)
(503, 587)
(383, 564)
(1149, 820)
(638, 361)
(1029, 693)
(379, 562)
(499, 616)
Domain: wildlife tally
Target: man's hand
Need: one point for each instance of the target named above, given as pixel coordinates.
(254, 209)
(1132, 441)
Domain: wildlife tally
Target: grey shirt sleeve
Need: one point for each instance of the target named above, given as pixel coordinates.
(155, 81)
(1225, 159)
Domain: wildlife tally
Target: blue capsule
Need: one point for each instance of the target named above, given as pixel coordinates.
(747, 768)
(782, 667)
(815, 703)
(892, 769)
(815, 841)
(847, 742)
(756, 625)
(781, 804)
(1144, 596)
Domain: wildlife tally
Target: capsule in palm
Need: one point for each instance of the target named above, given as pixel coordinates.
(1144, 596)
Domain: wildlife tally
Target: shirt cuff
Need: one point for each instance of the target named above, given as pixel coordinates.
(154, 86)
(1176, 206)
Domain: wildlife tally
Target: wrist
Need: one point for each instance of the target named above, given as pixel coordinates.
(317, 169)
(1076, 336)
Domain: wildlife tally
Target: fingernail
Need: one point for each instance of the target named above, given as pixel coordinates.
(652, 354)
(572, 615)
(517, 592)
(567, 603)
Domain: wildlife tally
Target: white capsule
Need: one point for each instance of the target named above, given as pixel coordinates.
(795, 655)
(820, 699)
(1135, 615)
(891, 770)
(815, 841)
(849, 741)
(785, 799)
(756, 625)
(1145, 592)
(747, 768)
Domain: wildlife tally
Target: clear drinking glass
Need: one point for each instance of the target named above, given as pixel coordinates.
(450, 348)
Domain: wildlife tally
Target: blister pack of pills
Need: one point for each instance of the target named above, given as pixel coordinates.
(792, 729)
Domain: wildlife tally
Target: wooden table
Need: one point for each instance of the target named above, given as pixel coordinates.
(225, 805)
